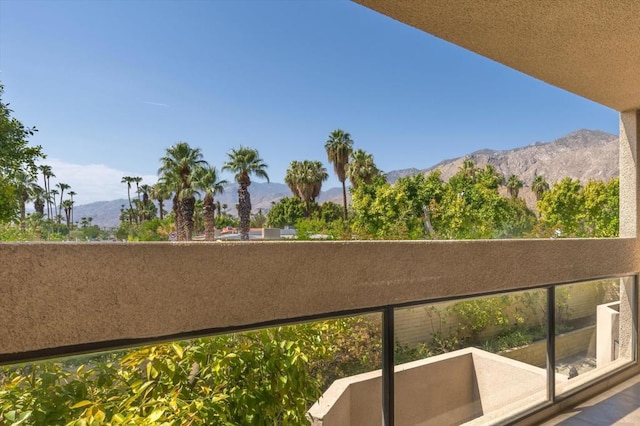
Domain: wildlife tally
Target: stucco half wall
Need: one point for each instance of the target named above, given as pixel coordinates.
(62, 295)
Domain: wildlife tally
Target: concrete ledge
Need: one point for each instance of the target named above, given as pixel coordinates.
(56, 294)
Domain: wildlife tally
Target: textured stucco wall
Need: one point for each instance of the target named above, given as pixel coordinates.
(56, 295)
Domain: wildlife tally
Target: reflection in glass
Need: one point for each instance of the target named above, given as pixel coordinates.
(594, 329)
(480, 360)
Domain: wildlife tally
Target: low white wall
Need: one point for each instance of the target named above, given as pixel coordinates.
(452, 388)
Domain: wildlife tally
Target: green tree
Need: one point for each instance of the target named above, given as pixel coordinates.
(128, 180)
(472, 208)
(305, 178)
(561, 208)
(600, 217)
(67, 206)
(489, 177)
(160, 193)
(16, 158)
(339, 146)
(329, 212)
(71, 195)
(361, 169)
(206, 180)
(399, 211)
(176, 171)
(26, 188)
(514, 184)
(47, 174)
(286, 212)
(244, 162)
(63, 187)
(539, 186)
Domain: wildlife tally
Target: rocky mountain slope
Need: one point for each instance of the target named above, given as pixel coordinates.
(584, 154)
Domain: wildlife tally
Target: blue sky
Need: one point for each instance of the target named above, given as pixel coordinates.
(111, 84)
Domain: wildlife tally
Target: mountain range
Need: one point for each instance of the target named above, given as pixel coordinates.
(583, 154)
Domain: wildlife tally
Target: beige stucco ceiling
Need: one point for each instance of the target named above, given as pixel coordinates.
(588, 47)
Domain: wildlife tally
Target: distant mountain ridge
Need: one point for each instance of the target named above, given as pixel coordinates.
(583, 154)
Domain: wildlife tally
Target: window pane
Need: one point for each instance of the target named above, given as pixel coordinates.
(480, 360)
(594, 329)
(267, 376)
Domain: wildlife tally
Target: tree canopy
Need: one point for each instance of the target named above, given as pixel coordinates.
(17, 158)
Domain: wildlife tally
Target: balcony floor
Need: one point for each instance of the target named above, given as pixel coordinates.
(617, 406)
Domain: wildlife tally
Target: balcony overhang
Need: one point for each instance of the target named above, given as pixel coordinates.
(587, 47)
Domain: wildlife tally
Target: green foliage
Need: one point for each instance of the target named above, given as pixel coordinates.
(385, 211)
(468, 206)
(286, 212)
(16, 158)
(258, 220)
(9, 206)
(560, 208)
(476, 315)
(571, 210)
(307, 228)
(149, 230)
(329, 212)
(600, 216)
(263, 377)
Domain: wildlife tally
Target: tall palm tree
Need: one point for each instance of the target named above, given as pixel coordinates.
(539, 186)
(62, 187)
(361, 169)
(67, 205)
(206, 180)
(339, 146)
(47, 174)
(245, 162)
(71, 194)
(177, 167)
(513, 186)
(52, 200)
(137, 180)
(128, 180)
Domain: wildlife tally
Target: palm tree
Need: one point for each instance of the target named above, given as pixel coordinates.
(176, 170)
(468, 168)
(71, 194)
(144, 211)
(305, 178)
(62, 187)
(47, 175)
(206, 180)
(539, 186)
(67, 205)
(339, 147)
(137, 180)
(160, 192)
(39, 198)
(25, 185)
(245, 162)
(513, 186)
(490, 177)
(52, 200)
(128, 180)
(361, 169)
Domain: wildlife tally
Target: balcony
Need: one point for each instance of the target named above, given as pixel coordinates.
(62, 299)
